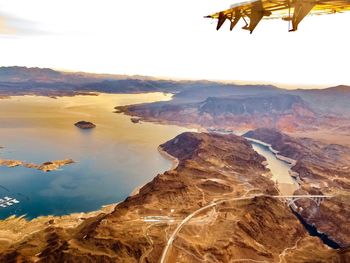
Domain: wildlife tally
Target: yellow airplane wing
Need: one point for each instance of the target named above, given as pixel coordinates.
(252, 12)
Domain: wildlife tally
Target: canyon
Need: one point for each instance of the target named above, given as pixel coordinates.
(322, 169)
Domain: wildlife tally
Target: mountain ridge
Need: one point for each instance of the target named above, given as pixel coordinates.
(48, 82)
(38, 71)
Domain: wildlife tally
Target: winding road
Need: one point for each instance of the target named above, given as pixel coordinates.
(190, 216)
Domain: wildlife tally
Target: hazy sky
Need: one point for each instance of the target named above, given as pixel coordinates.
(171, 38)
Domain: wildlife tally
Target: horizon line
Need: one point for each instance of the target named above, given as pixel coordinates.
(281, 85)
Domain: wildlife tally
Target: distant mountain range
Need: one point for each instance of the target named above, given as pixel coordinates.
(211, 97)
(330, 100)
(23, 74)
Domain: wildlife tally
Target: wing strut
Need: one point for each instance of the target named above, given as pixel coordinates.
(301, 9)
(236, 19)
(221, 20)
(257, 13)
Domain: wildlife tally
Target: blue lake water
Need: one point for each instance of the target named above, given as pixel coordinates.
(111, 160)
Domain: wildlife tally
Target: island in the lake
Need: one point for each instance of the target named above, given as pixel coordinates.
(45, 167)
(85, 125)
(135, 120)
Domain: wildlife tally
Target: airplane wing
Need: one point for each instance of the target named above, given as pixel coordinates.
(294, 11)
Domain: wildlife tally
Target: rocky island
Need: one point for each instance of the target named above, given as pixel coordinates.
(85, 125)
(215, 205)
(135, 120)
(45, 167)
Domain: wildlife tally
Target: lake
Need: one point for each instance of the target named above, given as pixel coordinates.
(111, 160)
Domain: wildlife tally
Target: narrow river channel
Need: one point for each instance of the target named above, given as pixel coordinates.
(281, 174)
(280, 170)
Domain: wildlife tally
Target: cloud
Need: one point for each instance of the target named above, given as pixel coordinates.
(14, 26)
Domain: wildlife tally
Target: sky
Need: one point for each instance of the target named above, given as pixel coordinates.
(166, 38)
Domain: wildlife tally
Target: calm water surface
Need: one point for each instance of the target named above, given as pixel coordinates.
(280, 170)
(112, 159)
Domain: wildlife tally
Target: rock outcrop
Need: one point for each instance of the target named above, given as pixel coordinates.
(285, 111)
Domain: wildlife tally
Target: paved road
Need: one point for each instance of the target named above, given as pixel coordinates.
(188, 218)
(301, 196)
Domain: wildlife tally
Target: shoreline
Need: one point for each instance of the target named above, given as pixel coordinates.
(71, 219)
(174, 164)
(294, 175)
(275, 152)
(194, 127)
(56, 164)
(136, 190)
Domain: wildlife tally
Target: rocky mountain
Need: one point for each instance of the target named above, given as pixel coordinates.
(250, 105)
(215, 206)
(48, 82)
(220, 90)
(283, 111)
(340, 88)
(334, 100)
(43, 81)
(23, 74)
